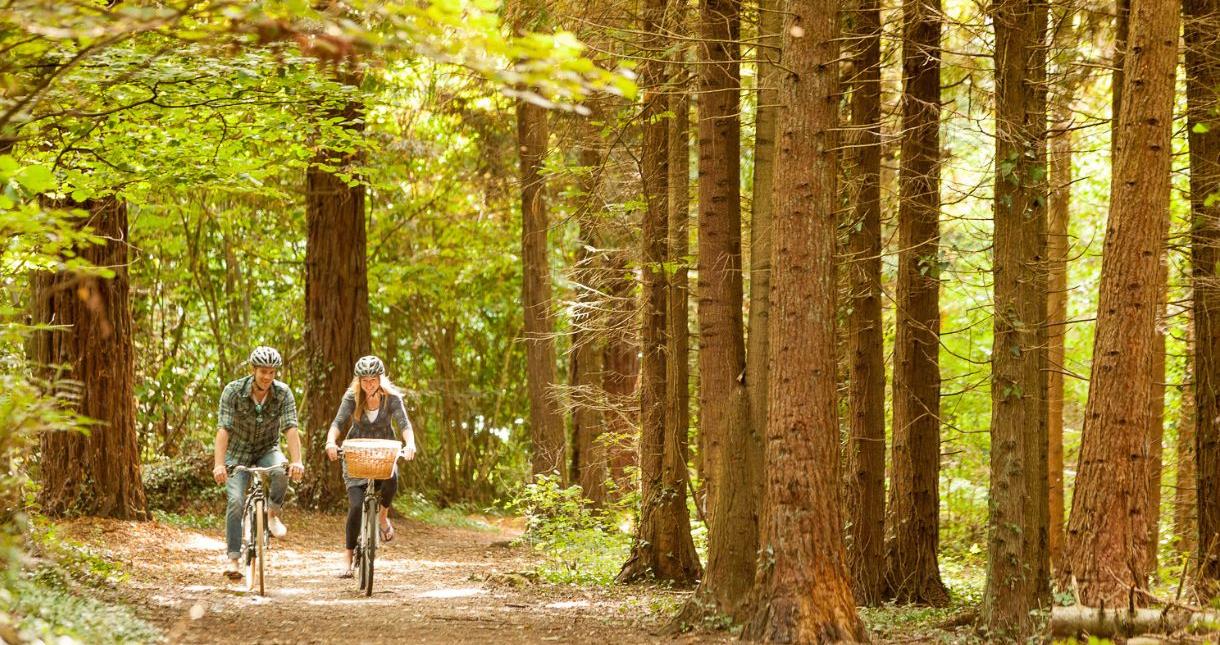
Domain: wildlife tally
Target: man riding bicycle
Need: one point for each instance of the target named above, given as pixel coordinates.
(254, 411)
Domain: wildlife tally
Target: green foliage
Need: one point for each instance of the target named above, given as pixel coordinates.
(182, 482)
(46, 612)
(419, 508)
(582, 544)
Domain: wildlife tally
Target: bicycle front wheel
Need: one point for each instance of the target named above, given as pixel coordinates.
(370, 547)
(260, 545)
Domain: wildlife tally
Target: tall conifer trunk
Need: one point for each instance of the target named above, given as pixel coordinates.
(913, 532)
(1108, 528)
(97, 473)
(1202, 39)
(662, 548)
(865, 337)
(803, 589)
(1018, 563)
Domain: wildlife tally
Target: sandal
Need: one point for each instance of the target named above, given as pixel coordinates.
(387, 532)
(350, 572)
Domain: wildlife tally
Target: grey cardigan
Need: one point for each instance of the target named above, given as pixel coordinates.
(391, 416)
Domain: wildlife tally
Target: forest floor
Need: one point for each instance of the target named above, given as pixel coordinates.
(433, 584)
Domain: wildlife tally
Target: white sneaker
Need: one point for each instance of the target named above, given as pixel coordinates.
(276, 527)
(233, 570)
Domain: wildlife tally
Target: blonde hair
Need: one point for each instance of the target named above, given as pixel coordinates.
(358, 394)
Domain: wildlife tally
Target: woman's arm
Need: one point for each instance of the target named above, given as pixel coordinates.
(346, 407)
(408, 432)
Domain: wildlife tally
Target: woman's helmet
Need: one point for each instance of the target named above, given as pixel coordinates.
(369, 366)
(265, 357)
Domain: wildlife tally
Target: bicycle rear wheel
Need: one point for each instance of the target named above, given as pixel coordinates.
(370, 546)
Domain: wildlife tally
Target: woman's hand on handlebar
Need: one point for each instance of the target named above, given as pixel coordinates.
(407, 453)
(332, 452)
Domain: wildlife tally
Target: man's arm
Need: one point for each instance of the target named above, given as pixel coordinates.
(218, 458)
(295, 467)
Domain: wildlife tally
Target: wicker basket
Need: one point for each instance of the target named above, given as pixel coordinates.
(370, 458)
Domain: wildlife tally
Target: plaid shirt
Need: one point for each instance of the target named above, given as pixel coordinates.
(254, 430)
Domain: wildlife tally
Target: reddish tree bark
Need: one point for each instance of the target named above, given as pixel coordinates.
(865, 338)
(97, 473)
(803, 588)
(1018, 562)
(1107, 530)
(336, 312)
(913, 532)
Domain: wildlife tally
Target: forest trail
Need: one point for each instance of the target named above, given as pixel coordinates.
(433, 585)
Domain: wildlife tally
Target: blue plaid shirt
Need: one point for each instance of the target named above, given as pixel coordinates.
(254, 430)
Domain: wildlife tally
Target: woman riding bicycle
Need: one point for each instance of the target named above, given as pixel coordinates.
(372, 408)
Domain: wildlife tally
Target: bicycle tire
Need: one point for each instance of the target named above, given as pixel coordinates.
(248, 552)
(260, 541)
(370, 554)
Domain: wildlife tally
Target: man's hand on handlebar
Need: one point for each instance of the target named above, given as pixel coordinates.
(220, 474)
(407, 453)
(296, 470)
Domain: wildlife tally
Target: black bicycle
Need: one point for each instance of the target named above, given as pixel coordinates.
(365, 554)
(255, 539)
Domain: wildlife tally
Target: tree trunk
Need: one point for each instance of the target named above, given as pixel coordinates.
(1202, 83)
(662, 548)
(722, 399)
(865, 338)
(1018, 562)
(677, 378)
(913, 575)
(803, 590)
(620, 373)
(1059, 213)
(336, 311)
(730, 483)
(546, 420)
(92, 360)
(1184, 499)
(588, 452)
(1107, 530)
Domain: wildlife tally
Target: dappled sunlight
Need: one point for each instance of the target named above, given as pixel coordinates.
(464, 592)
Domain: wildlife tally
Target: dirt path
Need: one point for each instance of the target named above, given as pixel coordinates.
(433, 585)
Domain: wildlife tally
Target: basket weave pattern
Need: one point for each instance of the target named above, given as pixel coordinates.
(370, 458)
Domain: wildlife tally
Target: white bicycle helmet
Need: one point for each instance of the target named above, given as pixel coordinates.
(265, 357)
(369, 366)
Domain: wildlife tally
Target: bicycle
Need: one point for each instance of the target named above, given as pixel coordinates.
(255, 539)
(364, 556)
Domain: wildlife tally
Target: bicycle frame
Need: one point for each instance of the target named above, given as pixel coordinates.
(255, 539)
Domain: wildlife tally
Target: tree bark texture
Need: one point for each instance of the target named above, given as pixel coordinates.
(336, 312)
(722, 398)
(1202, 40)
(546, 419)
(588, 462)
(865, 501)
(662, 548)
(677, 378)
(1185, 525)
(1059, 213)
(1107, 530)
(1018, 562)
(912, 572)
(803, 589)
(731, 483)
(92, 362)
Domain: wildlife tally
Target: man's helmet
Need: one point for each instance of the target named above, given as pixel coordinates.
(369, 366)
(265, 357)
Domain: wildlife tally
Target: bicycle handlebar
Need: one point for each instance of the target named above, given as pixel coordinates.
(258, 470)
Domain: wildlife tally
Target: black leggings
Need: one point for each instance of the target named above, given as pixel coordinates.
(386, 488)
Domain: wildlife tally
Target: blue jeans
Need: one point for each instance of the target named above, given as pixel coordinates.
(238, 483)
